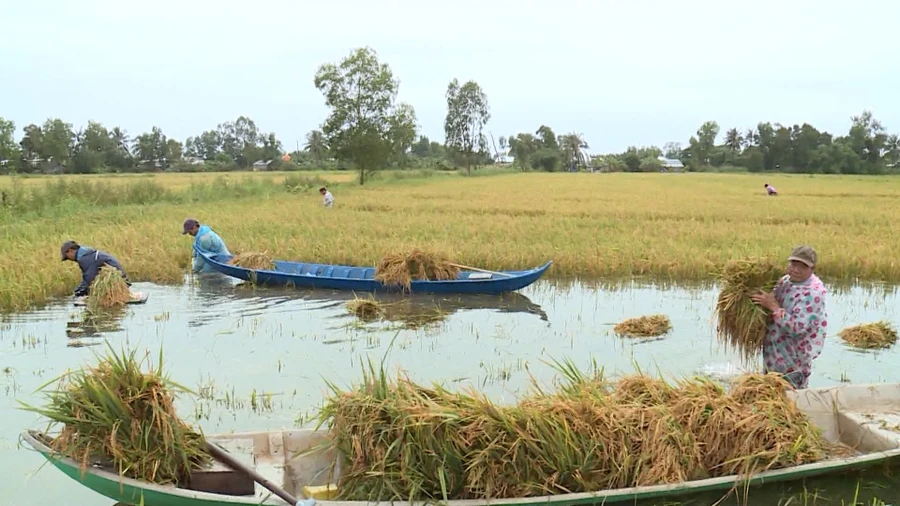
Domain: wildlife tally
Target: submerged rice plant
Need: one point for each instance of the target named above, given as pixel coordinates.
(870, 335)
(644, 326)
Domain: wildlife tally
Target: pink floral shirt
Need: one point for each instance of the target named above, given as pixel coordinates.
(797, 337)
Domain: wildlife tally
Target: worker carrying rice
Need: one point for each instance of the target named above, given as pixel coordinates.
(206, 241)
(327, 199)
(796, 335)
(90, 261)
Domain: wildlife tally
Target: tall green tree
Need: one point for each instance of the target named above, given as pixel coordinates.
(467, 113)
(361, 93)
(316, 145)
(9, 149)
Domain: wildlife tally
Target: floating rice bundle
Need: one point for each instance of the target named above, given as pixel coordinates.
(588, 436)
(644, 326)
(742, 323)
(365, 309)
(108, 290)
(870, 335)
(119, 414)
(254, 261)
(402, 268)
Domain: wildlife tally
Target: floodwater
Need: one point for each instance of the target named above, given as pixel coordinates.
(261, 357)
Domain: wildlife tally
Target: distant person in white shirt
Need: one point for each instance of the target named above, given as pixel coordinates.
(770, 190)
(327, 199)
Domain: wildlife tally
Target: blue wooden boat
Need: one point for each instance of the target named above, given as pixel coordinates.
(362, 279)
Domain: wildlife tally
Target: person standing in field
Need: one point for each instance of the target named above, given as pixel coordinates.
(327, 199)
(796, 335)
(90, 261)
(206, 241)
(770, 190)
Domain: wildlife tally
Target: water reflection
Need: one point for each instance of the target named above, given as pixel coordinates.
(88, 327)
(412, 311)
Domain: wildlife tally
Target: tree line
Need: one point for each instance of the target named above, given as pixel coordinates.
(368, 129)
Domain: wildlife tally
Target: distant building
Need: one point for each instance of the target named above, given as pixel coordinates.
(670, 164)
(504, 158)
(261, 165)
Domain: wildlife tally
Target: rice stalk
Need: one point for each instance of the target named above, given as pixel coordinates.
(253, 261)
(403, 441)
(741, 323)
(870, 335)
(108, 290)
(402, 268)
(365, 309)
(644, 326)
(116, 413)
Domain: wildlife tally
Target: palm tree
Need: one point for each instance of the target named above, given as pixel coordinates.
(572, 146)
(316, 144)
(120, 138)
(733, 141)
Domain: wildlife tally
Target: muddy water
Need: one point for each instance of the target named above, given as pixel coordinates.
(259, 357)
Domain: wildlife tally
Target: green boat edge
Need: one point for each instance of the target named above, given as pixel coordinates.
(130, 491)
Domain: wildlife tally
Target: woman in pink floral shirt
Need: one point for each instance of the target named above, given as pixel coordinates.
(797, 334)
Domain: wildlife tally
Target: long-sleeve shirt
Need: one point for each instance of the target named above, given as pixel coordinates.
(210, 244)
(797, 337)
(327, 199)
(91, 261)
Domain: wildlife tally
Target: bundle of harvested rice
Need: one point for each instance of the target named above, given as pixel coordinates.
(741, 322)
(365, 309)
(644, 326)
(254, 261)
(118, 413)
(402, 268)
(870, 335)
(590, 435)
(108, 290)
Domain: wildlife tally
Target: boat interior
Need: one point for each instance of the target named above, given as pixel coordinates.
(865, 418)
(350, 272)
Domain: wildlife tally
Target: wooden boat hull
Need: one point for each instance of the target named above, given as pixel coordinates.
(361, 279)
(854, 414)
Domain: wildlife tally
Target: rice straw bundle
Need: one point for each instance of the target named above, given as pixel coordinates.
(644, 326)
(870, 335)
(108, 290)
(254, 261)
(742, 324)
(590, 435)
(402, 268)
(365, 309)
(114, 411)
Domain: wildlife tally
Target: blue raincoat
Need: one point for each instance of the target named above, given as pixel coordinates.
(91, 261)
(210, 244)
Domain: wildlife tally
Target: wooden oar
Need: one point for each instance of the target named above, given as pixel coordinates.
(479, 270)
(220, 454)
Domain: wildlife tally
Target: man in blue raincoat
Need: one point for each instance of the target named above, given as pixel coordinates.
(206, 241)
(90, 261)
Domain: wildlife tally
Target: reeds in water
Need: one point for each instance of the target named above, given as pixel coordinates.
(365, 309)
(741, 323)
(870, 335)
(116, 412)
(644, 326)
(254, 261)
(402, 268)
(108, 290)
(404, 441)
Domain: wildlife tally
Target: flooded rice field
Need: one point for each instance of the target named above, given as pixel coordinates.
(259, 358)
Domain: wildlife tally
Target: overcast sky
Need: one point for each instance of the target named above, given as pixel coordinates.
(622, 73)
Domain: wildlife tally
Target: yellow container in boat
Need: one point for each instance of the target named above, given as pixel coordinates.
(321, 492)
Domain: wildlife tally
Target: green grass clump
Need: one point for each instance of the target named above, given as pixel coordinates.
(117, 413)
(742, 324)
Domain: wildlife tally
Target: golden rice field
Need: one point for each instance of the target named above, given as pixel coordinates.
(675, 226)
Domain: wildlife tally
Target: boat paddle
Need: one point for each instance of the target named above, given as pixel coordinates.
(465, 267)
(221, 455)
